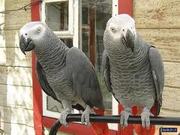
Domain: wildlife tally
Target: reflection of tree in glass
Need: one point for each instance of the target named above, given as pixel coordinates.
(95, 14)
(57, 15)
(103, 13)
(85, 42)
(103, 5)
(68, 41)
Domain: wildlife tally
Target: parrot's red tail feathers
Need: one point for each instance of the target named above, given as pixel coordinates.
(154, 109)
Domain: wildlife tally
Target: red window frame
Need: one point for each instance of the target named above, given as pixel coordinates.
(124, 6)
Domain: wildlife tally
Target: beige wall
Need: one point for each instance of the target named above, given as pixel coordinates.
(15, 73)
(158, 21)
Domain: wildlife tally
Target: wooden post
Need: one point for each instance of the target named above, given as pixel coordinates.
(37, 94)
(92, 34)
(125, 6)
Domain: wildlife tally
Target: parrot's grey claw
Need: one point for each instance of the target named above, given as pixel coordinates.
(145, 115)
(63, 117)
(124, 117)
(85, 116)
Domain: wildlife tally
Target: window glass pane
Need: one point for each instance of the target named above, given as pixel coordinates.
(53, 105)
(68, 41)
(85, 41)
(95, 14)
(57, 15)
(85, 27)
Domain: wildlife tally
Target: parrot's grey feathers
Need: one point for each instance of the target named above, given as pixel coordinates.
(106, 71)
(136, 69)
(43, 82)
(158, 74)
(46, 87)
(65, 74)
(85, 83)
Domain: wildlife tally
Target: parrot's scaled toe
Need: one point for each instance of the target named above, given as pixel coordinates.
(124, 117)
(145, 118)
(63, 117)
(85, 116)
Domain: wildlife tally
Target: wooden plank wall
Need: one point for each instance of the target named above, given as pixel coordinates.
(16, 114)
(158, 21)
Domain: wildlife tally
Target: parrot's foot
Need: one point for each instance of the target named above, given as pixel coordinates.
(145, 115)
(124, 117)
(85, 116)
(63, 117)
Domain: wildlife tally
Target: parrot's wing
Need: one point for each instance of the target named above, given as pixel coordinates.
(158, 74)
(43, 81)
(46, 87)
(81, 73)
(106, 70)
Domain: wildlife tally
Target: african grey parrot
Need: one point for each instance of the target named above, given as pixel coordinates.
(133, 69)
(65, 74)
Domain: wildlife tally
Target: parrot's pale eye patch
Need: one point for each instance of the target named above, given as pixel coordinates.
(113, 29)
(38, 30)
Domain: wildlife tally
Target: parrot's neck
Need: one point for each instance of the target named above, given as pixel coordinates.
(53, 55)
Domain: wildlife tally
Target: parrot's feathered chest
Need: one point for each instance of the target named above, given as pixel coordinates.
(131, 75)
(54, 64)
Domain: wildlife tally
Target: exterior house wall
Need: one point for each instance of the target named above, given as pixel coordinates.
(15, 72)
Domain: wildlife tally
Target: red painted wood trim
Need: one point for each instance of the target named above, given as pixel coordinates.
(37, 94)
(125, 6)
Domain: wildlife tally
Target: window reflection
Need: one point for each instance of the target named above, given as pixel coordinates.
(95, 14)
(57, 15)
(53, 105)
(68, 42)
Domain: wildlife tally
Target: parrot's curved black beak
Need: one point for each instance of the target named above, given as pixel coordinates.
(26, 45)
(129, 38)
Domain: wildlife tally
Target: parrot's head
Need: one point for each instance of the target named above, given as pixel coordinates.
(120, 32)
(31, 34)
